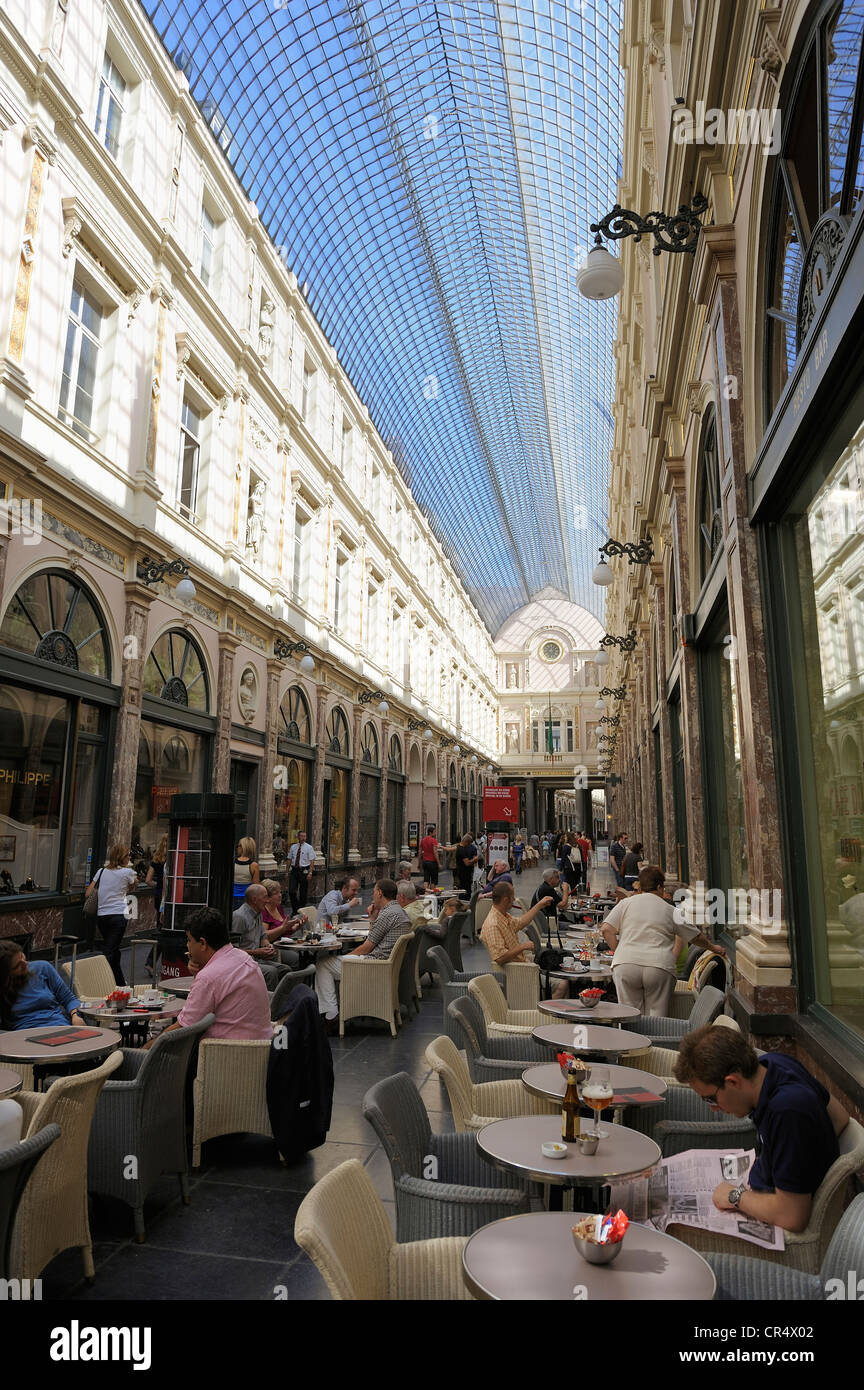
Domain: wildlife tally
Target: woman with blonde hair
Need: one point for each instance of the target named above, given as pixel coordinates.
(246, 869)
(156, 877)
(113, 884)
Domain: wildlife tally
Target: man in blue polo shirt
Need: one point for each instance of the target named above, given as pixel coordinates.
(797, 1122)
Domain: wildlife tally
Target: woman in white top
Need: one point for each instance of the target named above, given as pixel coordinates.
(113, 883)
(642, 930)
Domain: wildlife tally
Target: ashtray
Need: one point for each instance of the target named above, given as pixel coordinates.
(587, 1144)
(554, 1150)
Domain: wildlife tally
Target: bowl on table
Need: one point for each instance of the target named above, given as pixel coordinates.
(589, 999)
(593, 1251)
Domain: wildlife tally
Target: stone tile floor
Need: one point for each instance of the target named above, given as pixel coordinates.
(235, 1241)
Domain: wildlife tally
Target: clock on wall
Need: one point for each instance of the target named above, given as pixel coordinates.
(550, 650)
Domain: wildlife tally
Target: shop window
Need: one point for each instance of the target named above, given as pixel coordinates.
(336, 802)
(369, 746)
(708, 511)
(53, 618)
(171, 761)
(394, 760)
(294, 719)
(291, 807)
(175, 672)
(336, 736)
(368, 826)
(395, 804)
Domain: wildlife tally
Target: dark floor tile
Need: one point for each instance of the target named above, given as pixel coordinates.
(348, 1126)
(232, 1220)
(298, 1177)
(378, 1168)
(65, 1274)
(145, 1272)
(301, 1282)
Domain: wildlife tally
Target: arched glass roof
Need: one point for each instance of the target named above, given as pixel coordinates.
(431, 169)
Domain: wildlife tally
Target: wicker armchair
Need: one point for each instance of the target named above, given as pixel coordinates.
(409, 989)
(499, 1019)
(523, 982)
(94, 979)
(741, 1278)
(454, 984)
(16, 1164)
(370, 988)
(477, 1104)
(142, 1111)
(52, 1215)
(279, 997)
(668, 1031)
(685, 1122)
(491, 1059)
(230, 1090)
(805, 1250)
(464, 1192)
(343, 1227)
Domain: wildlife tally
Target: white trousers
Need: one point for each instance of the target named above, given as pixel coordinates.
(327, 972)
(645, 987)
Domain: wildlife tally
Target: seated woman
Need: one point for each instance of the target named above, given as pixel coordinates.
(32, 994)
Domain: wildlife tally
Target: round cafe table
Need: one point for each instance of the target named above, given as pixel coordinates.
(547, 1081)
(10, 1082)
(134, 1023)
(180, 986)
(532, 1257)
(516, 1146)
(604, 1012)
(22, 1045)
(597, 1038)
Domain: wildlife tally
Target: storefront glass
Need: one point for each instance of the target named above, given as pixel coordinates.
(395, 804)
(87, 787)
(170, 760)
(337, 816)
(34, 732)
(724, 789)
(291, 807)
(830, 548)
(368, 828)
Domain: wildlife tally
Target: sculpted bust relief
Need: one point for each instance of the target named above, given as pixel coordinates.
(247, 694)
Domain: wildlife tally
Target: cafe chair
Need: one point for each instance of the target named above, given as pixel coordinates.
(744, 1278)
(16, 1164)
(523, 982)
(370, 988)
(499, 1019)
(685, 1122)
(343, 1227)
(142, 1113)
(491, 1059)
(52, 1215)
(660, 1061)
(94, 979)
(805, 1250)
(229, 1092)
(409, 989)
(453, 940)
(668, 1032)
(279, 997)
(454, 984)
(477, 1104)
(482, 908)
(443, 1185)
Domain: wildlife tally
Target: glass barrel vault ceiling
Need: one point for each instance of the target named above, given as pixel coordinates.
(431, 169)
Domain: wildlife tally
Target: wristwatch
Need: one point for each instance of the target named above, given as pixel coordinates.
(736, 1194)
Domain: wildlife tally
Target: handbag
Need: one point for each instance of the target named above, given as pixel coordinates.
(91, 902)
(549, 959)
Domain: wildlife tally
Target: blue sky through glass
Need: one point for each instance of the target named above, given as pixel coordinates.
(431, 169)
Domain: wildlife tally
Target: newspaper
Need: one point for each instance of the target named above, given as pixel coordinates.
(678, 1192)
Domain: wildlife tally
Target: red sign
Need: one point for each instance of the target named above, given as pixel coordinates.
(160, 799)
(501, 803)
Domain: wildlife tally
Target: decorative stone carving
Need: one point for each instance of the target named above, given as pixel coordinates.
(770, 57)
(255, 526)
(71, 231)
(182, 361)
(133, 301)
(247, 694)
(266, 321)
(35, 136)
(259, 436)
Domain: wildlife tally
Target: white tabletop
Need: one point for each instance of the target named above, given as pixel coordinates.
(547, 1080)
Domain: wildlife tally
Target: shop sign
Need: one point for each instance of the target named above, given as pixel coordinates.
(501, 803)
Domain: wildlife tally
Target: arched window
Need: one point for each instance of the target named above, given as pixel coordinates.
(394, 760)
(818, 186)
(53, 618)
(336, 737)
(369, 746)
(472, 788)
(175, 671)
(463, 780)
(453, 776)
(708, 511)
(294, 718)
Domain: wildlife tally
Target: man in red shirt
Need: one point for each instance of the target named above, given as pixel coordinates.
(429, 857)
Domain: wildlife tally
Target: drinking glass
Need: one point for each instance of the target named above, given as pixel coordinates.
(596, 1093)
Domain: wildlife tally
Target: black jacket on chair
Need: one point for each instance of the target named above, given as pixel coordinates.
(300, 1078)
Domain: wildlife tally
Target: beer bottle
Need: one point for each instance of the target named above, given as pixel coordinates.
(570, 1109)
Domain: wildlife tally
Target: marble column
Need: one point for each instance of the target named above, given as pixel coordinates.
(221, 780)
(354, 851)
(316, 829)
(385, 850)
(268, 768)
(128, 730)
(691, 733)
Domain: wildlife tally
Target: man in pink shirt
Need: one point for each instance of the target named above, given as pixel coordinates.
(228, 982)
